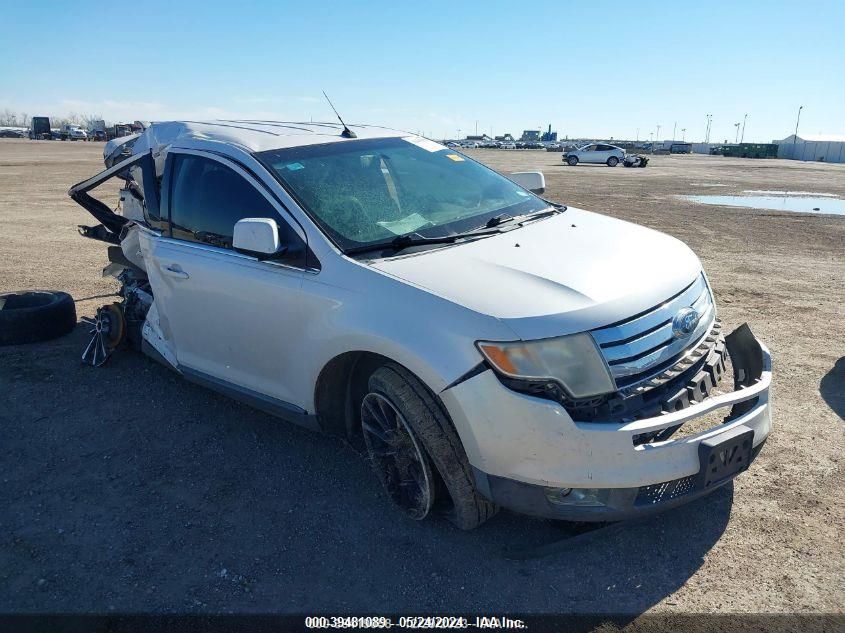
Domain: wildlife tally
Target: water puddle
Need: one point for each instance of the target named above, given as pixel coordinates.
(778, 201)
(774, 192)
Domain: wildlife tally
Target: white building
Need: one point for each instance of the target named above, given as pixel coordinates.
(829, 148)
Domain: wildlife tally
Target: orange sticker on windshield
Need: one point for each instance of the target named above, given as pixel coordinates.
(455, 157)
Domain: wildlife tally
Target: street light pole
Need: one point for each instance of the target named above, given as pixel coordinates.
(742, 138)
(683, 134)
(674, 129)
(736, 138)
(794, 138)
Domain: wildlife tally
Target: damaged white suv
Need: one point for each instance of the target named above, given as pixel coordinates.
(485, 346)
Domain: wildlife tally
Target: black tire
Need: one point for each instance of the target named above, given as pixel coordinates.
(35, 315)
(612, 161)
(430, 423)
(572, 161)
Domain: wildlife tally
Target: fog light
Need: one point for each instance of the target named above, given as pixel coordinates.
(574, 496)
(557, 495)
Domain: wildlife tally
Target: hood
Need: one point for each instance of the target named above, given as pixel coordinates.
(572, 272)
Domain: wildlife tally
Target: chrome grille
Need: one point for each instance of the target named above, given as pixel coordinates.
(636, 348)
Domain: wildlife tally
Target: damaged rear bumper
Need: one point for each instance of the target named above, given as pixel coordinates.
(528, 454)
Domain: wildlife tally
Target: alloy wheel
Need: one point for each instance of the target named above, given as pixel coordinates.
(396, 455)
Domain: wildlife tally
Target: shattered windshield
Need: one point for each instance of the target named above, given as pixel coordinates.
(371, 190)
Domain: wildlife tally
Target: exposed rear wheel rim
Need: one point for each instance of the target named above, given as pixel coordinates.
(397, 456)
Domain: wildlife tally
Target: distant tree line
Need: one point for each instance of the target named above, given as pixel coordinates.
(8, 118)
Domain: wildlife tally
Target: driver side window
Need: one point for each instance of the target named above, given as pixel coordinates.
(207, 199)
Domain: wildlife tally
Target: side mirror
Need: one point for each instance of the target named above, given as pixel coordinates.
(258, 237)
(534, 181)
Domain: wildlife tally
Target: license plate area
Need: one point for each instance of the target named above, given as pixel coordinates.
(724, 456)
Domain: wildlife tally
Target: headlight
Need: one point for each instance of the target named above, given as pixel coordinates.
(572, 361)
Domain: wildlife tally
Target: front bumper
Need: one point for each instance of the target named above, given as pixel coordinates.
(523, 448)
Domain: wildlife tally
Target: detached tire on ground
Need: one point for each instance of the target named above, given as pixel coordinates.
(35, 315)
(431, 428)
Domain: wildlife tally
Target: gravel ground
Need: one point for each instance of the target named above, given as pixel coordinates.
(129, 489)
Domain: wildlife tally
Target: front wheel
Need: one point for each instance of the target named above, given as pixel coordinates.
(612, 161)
(416, 452)
(572, 160)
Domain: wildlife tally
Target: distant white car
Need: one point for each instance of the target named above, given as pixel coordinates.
(595, 153)
(508, 145)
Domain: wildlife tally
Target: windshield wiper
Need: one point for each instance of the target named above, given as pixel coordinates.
(404, 241)
(496, 220)
(501, 218)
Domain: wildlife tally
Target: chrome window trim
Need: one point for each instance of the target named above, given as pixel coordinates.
(232, 253)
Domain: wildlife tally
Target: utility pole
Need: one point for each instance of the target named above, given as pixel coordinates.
(736, 138)
(674, 129)
(742, 138)
(476, 127)
(638, 136)
(656, 138)
(683, 134)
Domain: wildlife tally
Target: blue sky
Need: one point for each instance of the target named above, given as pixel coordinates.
(591, 69)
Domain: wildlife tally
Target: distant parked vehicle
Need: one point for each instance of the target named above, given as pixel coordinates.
(452, 145)
(98, 135)
(554, 147)
(595, 153)
(507, 145)
(12, 133)
(73, 133)
(39, 128)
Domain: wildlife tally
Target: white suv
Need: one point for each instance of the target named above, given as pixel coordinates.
(484, 346)
(609, 155)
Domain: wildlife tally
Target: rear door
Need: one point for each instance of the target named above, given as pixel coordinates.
(232, 319)
(603, 152)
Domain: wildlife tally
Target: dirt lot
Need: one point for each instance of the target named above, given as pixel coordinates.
(126, 488)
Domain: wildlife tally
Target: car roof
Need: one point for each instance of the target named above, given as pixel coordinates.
(257, 136)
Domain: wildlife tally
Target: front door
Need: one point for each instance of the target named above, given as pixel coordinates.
(229, 316)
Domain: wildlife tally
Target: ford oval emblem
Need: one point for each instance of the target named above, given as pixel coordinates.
(685, 322)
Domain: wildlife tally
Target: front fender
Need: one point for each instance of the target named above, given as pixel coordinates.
(374, 312)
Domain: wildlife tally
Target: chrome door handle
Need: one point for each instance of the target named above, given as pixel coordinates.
(174, 271)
